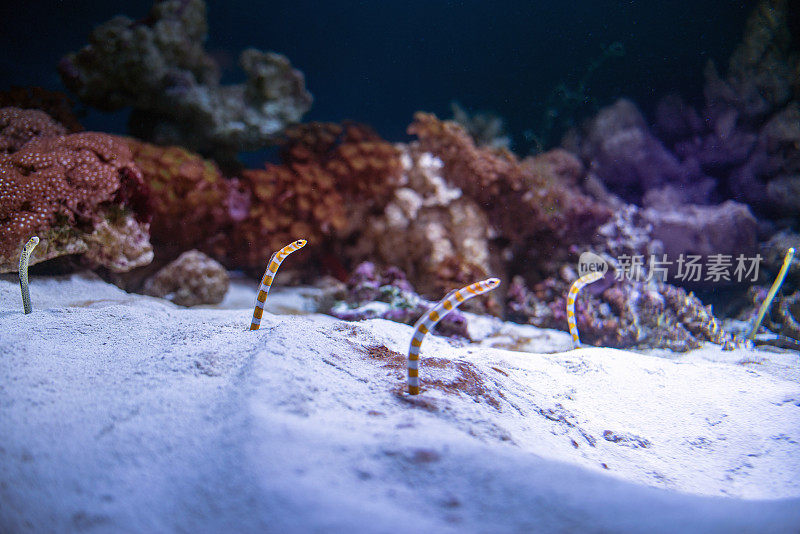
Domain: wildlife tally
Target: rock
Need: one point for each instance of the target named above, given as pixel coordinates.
(192, 279)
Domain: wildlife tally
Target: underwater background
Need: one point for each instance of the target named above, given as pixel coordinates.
(379, 62)
(419, 147)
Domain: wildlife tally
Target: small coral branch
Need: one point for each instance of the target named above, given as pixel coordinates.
(429, 320)
(23, 273)
(269, 275)
(573, 294)
(776, 285)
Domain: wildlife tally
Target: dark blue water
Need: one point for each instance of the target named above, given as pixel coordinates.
(379, 61)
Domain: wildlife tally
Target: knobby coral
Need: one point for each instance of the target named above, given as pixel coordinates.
(56, 104)
(429, 229)
(18, 126)
(193, 205)
(158, 66)
(80, 193)
(620, 313)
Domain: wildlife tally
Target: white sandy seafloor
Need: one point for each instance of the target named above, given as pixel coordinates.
(124, 413)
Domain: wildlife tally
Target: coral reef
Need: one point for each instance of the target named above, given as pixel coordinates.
(57, 105)
(191, 279)
(332, 177)
(80, 193)
(535, 204)
(728, 229)
(18, 126)
(194, 206)
(429, 229)
(621, 313)
(619, 148)
(387, 294)
(158, 67)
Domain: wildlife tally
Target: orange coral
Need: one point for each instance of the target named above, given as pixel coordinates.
(329, 171)
(364, 166)
(192, 201)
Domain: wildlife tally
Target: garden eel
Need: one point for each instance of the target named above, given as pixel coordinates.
(776, 285)
(274, 262)
(571, 296)
(429, 320)
(23, 273)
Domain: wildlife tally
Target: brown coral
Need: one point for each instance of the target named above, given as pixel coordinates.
(364, 167)
(56, 104)
(64, 184)
(534, 203)
(192, 203)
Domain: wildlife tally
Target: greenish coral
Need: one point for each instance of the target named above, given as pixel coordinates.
(158, 67)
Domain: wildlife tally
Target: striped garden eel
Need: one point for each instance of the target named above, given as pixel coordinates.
(23, 273)
(429, 320)
(776, 285)
(269, 275)
(571, 296)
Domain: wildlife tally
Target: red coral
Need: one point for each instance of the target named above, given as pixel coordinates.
(288, 203)
(64, 180)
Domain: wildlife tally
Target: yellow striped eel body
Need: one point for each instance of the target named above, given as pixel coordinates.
(776, 285)
(23, 273)
(269, 275)
(429, 320)
(571, 296)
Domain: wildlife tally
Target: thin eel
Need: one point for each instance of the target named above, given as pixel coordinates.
(429, 320)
